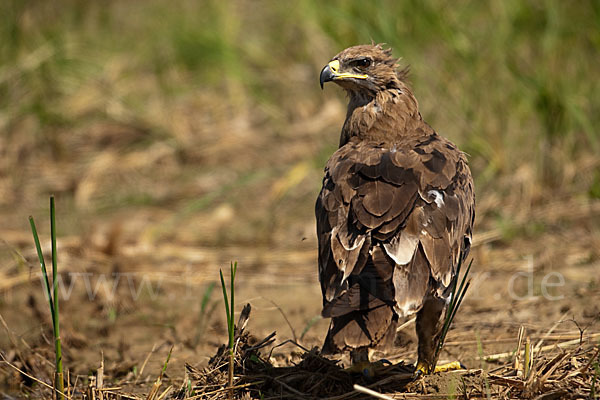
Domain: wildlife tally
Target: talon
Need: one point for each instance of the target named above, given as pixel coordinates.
(366, 368)
(422, 369)
(452, 366)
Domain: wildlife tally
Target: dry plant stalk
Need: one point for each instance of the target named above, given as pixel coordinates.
(528, 359)
(518, 363)
(372, 393)
(154, 391)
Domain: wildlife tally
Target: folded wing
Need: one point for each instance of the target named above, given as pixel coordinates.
(391, 223)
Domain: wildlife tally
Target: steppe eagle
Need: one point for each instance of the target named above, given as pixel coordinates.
(394, 215)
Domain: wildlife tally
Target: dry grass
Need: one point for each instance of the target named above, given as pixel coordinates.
(549, 324)
(568, 369)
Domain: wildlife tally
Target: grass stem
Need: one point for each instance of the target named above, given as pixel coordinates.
(456, 297)
(52, 295)
(229, 311)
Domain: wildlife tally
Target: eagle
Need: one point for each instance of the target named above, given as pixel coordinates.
(394, 216)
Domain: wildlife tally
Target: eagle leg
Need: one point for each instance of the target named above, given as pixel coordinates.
(429, 328)
(362, 365)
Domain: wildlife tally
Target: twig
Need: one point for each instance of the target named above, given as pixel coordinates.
(165, 393)
(263, 343)
(291, 389)
(370, 392)
(284, 317)
(589, 363)
(12, 339)
(554, 364)
(541, 341)
(518, 364)
(286, 342)
(498, 356)
(203, 395)
(396, 377)
(509, 340)
(31, 376)
(144, 364)
(406, 324)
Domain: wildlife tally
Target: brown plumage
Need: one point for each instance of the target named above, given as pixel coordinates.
(394, 215)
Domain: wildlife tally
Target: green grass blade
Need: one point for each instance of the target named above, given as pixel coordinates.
(55, 310)
(230, 324)
(462, 283)
(454, 283)
(38, 248)
(52, 295)
(452, 304)
(225, 298)
(458, 292)
(457, 298)
(206, 298)
(205, 312)
(54, 263)
(309, 325)
(164, 369)
(232, 308)
(458, 303)
(232, 292)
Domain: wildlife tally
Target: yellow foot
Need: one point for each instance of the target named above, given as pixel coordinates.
(368, 369)
(423, 369)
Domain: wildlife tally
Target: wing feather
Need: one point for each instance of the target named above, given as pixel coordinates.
(392, 220)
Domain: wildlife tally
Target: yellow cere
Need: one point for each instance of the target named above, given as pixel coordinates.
(334, 66)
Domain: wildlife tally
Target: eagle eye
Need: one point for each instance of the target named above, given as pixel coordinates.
(361, 62)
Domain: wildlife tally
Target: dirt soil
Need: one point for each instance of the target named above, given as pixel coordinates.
(138, 280)
(128, 304)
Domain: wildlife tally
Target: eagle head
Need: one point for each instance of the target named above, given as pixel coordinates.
(364, 70)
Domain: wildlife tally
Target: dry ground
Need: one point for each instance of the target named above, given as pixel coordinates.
(134, 277)
(158, 294)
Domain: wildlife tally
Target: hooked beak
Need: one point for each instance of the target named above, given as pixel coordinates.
(326, 74)
(331, 73)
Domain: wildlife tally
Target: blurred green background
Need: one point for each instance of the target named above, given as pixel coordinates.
(214, 105)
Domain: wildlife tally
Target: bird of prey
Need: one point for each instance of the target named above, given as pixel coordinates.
(394, 215)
